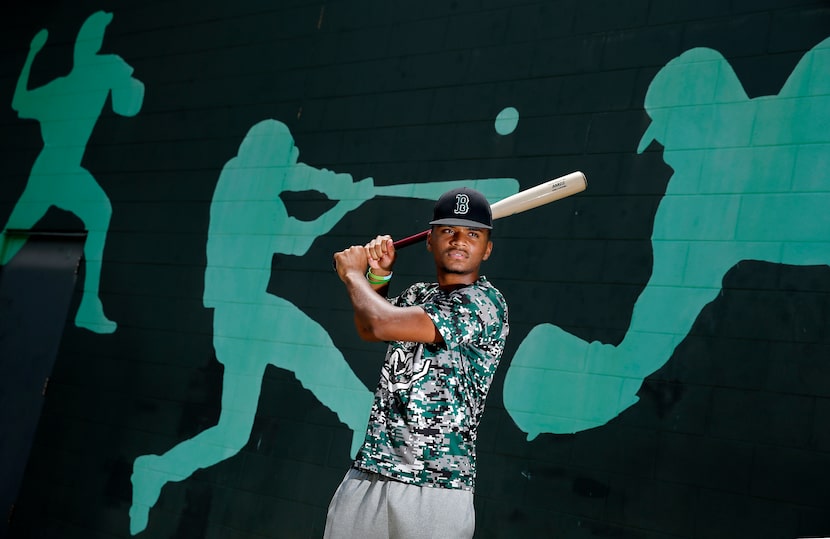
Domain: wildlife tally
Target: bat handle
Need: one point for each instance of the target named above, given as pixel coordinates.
(410, 240)
(401, 243)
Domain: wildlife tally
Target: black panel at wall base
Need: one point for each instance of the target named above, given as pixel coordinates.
(36, 288)
(725, 438)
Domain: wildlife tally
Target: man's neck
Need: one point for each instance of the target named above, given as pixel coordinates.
(450, 281)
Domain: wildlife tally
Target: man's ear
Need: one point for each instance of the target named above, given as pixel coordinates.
(488, 250)
(429, 241)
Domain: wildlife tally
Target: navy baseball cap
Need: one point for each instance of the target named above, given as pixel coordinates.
(463, 207)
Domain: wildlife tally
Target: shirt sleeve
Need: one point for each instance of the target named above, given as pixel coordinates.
(469, 316)
(473, 324)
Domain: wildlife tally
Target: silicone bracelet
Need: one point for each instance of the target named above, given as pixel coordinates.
(377, 279)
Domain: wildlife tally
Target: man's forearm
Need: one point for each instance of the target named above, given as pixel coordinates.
(369, 304)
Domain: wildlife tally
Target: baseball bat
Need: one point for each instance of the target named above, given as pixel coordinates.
(533, 197)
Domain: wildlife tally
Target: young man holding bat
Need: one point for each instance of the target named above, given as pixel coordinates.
(415, 473)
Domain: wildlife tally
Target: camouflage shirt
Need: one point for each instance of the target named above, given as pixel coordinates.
(430, 398)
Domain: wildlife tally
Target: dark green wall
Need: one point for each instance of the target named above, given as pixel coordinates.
(729, 437)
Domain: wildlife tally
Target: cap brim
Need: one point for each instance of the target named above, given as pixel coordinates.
(460, 222)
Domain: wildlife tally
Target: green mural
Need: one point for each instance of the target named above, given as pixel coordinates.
(68, 109)
(253, 329)
(750, 182)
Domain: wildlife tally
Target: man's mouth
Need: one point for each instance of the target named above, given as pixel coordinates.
(457, 254)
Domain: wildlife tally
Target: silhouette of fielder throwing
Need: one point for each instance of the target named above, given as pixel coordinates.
(67, 109)
(750, 182)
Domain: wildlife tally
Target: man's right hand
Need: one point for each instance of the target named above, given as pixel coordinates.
(349, 261)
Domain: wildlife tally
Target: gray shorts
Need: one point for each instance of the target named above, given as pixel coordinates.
(370, 506)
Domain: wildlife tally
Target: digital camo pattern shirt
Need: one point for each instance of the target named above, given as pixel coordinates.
(430, 398)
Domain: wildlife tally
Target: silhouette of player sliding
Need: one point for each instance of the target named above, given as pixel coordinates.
(751, 182)
(67, 109)
(253, 329)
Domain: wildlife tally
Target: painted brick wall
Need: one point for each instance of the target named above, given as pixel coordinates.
(728, 437)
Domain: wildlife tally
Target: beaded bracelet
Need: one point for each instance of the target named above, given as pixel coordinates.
(377, 279)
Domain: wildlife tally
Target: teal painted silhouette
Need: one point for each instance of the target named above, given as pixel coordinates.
(67, 109)
(253, 329)
(751, 182)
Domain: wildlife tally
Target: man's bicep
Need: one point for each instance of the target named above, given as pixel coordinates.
(410, 324)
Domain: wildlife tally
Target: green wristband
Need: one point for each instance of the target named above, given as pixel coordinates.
(377, 279)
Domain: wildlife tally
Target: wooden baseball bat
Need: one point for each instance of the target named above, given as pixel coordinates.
(533, 197)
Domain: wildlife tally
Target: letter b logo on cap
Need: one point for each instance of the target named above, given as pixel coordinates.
(462, 204)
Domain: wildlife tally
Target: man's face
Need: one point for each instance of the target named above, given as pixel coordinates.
(459, 249)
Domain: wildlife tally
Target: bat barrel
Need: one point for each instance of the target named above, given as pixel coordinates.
(544, 193)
